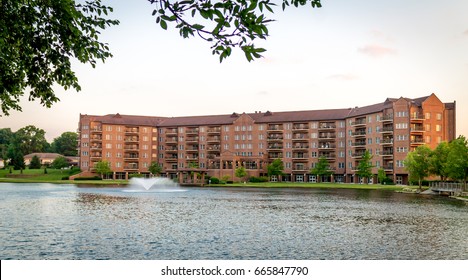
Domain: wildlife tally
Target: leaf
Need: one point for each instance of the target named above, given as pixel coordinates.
(163, 24)
(198, 26)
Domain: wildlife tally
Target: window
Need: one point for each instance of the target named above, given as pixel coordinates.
(108, 137)
(428, 139)
(84, 153)
(369, 130)
(369, 140)
(400, 163)
(401, 125)
(85, 144)
(438, 127)
(427, 116)
(439, 116)
(428, 127)
(119, 155)
(313, 135)
(85, 136)
(314, 154)
(108, 146)
(341, 165)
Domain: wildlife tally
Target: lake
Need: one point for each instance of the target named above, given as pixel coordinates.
(48, 221)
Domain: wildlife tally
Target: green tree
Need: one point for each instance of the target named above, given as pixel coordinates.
(322, 168)
(155, 168)
(35, 163)
(17, 160)
(438, 160)
(224, 24)
(240, 172)
(38, 40)
(457, 160)
(65, 144)
(381, 176)
(30, 139)
(275, 168)
(6, 137)
(59, 162)
(102, 168)
(418, 164)
(364, 168)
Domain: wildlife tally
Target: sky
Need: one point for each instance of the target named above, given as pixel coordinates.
(345, 54)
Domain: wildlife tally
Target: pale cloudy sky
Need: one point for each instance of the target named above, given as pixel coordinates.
(346, 54)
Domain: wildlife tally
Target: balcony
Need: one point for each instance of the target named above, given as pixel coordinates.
(192, 131)
(96, 147)
(213, 139)
(171, 140)
(386, 141)
(387, 130)
(275, 127)
(300, 137)
(387, 118)
(300, 156)
(275, 155)
(192, 148)
(329, 156)
(387, 153)
(213, 156)
(131, 139)
(171, 159)
(359, 144)
(275, 138)
(417, 117)
(131, 166)
(326, 146)
(131, 147)
(95, 138)
(327, 136)
(132, 130)
(417, 141)
(214, 130)
(327, 126)
(359, 122)
(359, 133)
(96, 155)
(213, 148)
(192, 158)
(300, 126)
(275, 146)
(192, 139)
(300, 147)
(417, 129)
(357, 155)
(171, 131)
(300, 168)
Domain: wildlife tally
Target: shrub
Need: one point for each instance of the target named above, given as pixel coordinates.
(214, 180)
(66, 178)
(88, 178)
(254, 179)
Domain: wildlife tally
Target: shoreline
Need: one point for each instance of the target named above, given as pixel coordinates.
(123, 183)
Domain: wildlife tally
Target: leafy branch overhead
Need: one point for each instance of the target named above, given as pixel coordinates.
(226, 24)
(37, 40)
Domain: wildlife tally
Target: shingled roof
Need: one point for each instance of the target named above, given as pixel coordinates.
(129, 120)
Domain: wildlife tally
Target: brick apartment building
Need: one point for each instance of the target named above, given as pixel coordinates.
(218, 144)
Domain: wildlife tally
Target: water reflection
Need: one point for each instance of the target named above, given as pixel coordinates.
(56, 222)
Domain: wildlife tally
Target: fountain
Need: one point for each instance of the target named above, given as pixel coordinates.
(157, 184)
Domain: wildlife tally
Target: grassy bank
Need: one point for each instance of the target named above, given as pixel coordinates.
(55, 176)
(312, 185)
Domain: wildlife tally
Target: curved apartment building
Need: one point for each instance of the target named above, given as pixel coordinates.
(218, 144)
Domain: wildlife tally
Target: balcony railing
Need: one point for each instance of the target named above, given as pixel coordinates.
(275, 147)
(300, 126)
(359, 122)
(132, 130)
(275, 127)
(325, 126)
(214, 130)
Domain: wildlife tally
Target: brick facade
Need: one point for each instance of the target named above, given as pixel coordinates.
(219, 144)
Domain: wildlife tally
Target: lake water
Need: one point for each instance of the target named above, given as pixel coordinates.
(46, 221)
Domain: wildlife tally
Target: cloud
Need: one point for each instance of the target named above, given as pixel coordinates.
(376, 51)
(343, 77)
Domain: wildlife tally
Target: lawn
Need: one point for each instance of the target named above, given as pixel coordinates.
(56, 175)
